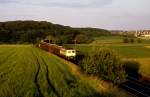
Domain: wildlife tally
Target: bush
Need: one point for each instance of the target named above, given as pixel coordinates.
(139, 40)
(125, 40)
(132, 68)
(132, 40)
(105, 63)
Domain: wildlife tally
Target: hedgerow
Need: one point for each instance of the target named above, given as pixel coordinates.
(105, 63)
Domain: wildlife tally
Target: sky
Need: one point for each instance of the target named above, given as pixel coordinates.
(106, 14)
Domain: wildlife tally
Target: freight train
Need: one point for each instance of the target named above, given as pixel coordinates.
(68, 53)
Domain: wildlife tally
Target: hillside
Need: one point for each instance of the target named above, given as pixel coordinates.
(34, 31)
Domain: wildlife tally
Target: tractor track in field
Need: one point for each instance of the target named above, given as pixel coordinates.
(36, 77)
(68, 81)
(48, 80)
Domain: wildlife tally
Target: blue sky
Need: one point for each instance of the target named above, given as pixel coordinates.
(107, 14)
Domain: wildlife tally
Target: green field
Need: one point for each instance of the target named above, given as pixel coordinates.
(135, 51)
(107, 39)
(116, 40)
(124, 50)
(26, 71)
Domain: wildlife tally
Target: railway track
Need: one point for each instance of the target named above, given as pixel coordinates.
(136, 87)
(133, 86)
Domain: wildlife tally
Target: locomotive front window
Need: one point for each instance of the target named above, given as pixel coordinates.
(73, 51)
(69, 51)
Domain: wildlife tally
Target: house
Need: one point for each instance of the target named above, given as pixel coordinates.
(144, 34)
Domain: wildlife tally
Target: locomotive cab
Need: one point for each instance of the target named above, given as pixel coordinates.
(71, 53)
(68, 53)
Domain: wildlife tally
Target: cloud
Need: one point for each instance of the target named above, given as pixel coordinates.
(78, 3)
(65, 3)
(111, 14)
(8, 1)
(61, 3)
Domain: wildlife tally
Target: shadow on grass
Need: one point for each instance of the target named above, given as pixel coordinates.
(132, 68)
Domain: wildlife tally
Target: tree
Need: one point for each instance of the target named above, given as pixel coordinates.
(31, 31)
(132, 40)
(139, 40)
(125, 40)
(81, 38)
(105, 63)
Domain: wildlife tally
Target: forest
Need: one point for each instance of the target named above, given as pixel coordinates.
(27, 32)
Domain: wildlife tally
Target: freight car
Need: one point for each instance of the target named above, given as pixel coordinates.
(145, 78)
(68, 53)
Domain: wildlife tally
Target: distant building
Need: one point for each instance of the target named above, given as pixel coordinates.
(140, 33)
(144, 33)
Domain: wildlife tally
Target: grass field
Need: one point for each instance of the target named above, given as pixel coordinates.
(26, 71)
(135, 51)
(115, 39)
(108, 39)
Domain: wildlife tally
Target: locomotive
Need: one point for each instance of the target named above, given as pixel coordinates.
(68, 53)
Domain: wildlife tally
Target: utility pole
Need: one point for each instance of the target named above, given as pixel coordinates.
(75, 43)
(55, 37)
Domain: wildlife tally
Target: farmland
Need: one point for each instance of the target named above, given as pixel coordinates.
(26, 71)
(133, 51)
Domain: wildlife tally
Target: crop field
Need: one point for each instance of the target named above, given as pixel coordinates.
(124, 50)
(116, 40)
(108, 39)
(26, 71)
(135, 51)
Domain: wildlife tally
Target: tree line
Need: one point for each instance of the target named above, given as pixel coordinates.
(34, 31)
